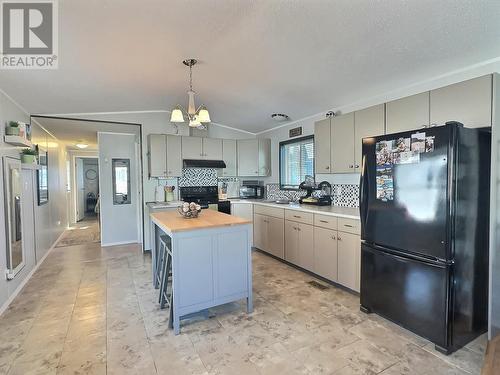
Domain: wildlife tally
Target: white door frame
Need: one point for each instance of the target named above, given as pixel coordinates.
(74, 196)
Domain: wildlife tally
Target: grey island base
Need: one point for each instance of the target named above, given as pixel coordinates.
(211, 260)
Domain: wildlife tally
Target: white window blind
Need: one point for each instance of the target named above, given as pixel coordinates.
(296, 161)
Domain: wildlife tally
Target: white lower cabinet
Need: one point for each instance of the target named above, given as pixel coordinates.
(298, 241)
(325, 253)
(349, 254)
(319, 248)
(268, 234)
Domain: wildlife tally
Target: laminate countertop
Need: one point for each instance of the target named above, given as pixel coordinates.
(172, 221)
(346, 212)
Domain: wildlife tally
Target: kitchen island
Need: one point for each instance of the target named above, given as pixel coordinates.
(211, 260)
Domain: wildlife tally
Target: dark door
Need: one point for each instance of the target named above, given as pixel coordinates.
(404, 194)
(409, 292)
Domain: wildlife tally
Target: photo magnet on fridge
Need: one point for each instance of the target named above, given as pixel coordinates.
(418, 142)
(384, 151)
(429, 144)
(385, 184)
(402, 145)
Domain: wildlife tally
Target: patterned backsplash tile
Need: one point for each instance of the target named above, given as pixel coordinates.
(344, 195)
(198, 177)
(273, 191)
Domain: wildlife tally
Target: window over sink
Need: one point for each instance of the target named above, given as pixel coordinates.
(296, 161)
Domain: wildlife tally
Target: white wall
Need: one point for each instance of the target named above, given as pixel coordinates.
(50, 219)
(119, 223)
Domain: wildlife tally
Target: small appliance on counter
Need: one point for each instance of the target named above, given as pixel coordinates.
(252, 189)
(318, 196)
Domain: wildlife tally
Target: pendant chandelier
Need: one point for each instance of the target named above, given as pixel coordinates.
(197, 117)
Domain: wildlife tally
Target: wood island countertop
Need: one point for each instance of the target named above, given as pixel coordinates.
(172, 221)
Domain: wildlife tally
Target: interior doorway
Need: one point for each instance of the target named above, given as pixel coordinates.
(87, 188)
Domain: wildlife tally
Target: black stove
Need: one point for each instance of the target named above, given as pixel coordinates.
(203, 195)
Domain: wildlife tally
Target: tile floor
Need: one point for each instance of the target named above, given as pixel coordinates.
(92, 310)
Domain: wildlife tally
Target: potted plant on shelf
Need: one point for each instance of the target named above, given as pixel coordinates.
(28, 156)
(12, 128)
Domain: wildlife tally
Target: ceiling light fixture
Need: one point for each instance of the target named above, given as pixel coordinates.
(280, 117)
(197, 117)
(82, 145)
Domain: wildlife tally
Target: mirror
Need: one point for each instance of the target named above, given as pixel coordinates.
(13, 207)
(42, 178)
(121, 181)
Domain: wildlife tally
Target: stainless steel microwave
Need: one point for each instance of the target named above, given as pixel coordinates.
(252, 192)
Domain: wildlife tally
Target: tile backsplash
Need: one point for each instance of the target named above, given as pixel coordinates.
(198, 177)
(344, 195)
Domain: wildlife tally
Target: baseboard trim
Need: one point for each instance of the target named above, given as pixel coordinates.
(118, 243)
(28, 277)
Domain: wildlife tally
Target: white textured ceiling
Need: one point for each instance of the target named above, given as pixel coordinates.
(257, 57)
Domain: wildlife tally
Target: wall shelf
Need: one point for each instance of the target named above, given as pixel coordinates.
(16, 140)
(30, 166)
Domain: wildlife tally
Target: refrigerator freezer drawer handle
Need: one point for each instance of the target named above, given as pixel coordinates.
(406, 260)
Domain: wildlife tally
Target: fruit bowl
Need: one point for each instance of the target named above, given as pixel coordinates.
(189, 210)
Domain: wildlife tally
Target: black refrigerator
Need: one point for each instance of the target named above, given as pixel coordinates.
(424, 205)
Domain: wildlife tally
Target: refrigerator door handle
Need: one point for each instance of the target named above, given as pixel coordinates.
(407, 258)
(364, 184)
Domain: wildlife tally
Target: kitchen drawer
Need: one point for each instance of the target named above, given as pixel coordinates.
(270, 211)
(299, 216)
(325, 221)
(349, 225)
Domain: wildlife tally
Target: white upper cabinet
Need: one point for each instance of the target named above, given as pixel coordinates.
(229, 157)
(248, 161)
(468, 102)
(212, 148)
(174, 156)
(368, 122)
(342, 143)
(192, 148)
(201, 148)
(322, 145)
(264, 157)
(254, 157)
(157, 155)
(410, 113)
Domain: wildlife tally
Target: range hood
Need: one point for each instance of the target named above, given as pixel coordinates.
(202, 163)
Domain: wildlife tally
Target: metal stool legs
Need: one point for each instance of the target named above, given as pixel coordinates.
(160, 261)
(164, 277)
(166, 280)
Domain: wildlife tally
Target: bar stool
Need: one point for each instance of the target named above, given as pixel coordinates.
(160, 260)
(166, 291)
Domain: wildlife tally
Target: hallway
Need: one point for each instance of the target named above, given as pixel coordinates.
(92, 310)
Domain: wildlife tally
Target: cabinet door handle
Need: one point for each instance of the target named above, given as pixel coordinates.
(333, 238)
(348, 226)
(324, 221)
(327, 167)
(297, 216)
(357, 166)
(338, 238)
(351, 166)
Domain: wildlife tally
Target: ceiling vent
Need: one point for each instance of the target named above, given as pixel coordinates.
(280, 117)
